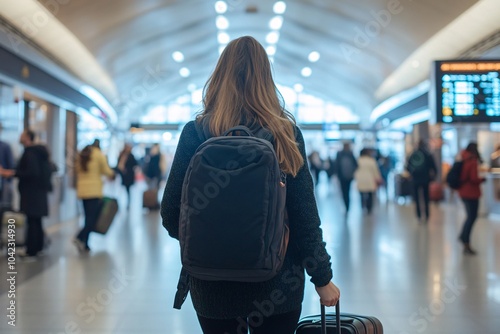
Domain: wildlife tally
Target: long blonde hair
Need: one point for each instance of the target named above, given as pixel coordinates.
(241, 90)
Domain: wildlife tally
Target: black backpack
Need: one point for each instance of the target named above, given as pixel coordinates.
(453, 176)
(417, 165)
(347, 167)
(232, 224)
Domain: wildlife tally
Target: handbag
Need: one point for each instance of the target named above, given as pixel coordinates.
(18, 220)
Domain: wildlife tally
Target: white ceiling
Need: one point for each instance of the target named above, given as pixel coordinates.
(131, 42)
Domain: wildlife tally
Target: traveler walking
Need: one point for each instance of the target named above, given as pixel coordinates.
(34, 173)
(385, 167)
(155, 167)
(241, 91)
(6, 162)
(470, 192)
(367, 179)
(126, 167)
(346, 166)
(330, 168)
(315, 165)
(91, 165)
(422, 169)
(495, 158)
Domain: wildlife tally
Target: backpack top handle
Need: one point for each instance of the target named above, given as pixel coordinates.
(241, 128)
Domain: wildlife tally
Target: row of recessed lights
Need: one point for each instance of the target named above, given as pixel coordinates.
(275, 25)
(179, 58)
(313, 57)
(272, 38)
(222, 23)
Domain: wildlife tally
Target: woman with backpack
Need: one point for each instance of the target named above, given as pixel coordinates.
(241, 91)
(470, 192)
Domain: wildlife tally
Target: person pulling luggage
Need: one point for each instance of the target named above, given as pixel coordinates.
(91, 165)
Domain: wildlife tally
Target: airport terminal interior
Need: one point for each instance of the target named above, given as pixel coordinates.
(381, 75)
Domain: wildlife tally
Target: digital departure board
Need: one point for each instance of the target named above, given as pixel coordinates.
(466, 91)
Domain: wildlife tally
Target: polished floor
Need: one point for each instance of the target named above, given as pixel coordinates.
(412, 276)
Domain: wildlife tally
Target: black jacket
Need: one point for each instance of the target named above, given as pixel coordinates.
(128, 175)
(33, 188)
(225, 300)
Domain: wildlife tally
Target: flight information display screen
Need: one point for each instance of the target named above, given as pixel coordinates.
(467, 91)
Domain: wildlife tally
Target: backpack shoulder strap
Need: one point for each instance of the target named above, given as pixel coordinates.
(264, 134)
(201, 129)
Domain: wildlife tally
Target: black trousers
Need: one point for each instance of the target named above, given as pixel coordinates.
(367, 201)
(316, 172)
(345, 188)
(34, 235)
(91, 209)
(421, 189)
(471, 208)
(127, 189)
(257, 323)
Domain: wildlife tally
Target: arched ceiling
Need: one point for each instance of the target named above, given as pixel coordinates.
(361, 44)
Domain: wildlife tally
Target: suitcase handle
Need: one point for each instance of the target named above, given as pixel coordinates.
(337, 318)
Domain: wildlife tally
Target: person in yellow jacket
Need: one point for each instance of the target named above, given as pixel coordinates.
(91, 166)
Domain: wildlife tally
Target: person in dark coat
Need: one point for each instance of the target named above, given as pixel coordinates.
(33, 190)
(315, 165)
(155, 167)
(346, 165)
(7, 162)
(126, 167)
(422, 168)
(230, 306)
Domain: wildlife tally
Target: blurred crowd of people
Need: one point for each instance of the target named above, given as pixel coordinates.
(420, 179)
(34, 170)
(370, 171)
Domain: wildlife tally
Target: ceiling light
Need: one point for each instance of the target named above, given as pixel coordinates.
(100, 101)
(184, 72)
(298, 88)
(272, 37)
(178, 56)
(276, 23)
(167, 136)
(191, 87)
(306, 72)
(221, 49)
(220, 7)
(279, 7)
(313, 56)
(223, 38)
(271, 50)
(221, 22)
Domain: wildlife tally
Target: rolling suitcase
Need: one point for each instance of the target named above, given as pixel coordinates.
(403, 187)
(109, 208)
(436, 192)
(150, 199)
(339, 323)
